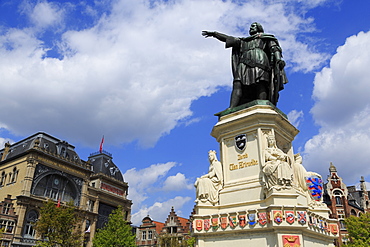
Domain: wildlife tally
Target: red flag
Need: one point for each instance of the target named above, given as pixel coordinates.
(58, 204)
(101, 145)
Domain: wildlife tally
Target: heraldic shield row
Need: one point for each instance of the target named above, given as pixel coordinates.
(277, 217)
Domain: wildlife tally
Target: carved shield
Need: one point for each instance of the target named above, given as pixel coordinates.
(291, 240)
(232, 221)
(199, 225)
(278, 216)
(207, 224)
(252, 219)
(242, 221)
(241, 141)
(302, 218)
(315, 186)
(215, 223)
(223, 222)
(334, 229)
(289, 217)
(262, 218)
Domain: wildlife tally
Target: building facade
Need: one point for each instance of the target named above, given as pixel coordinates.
(42, 167)
(147, 234)
(344, 201)
(152, 233)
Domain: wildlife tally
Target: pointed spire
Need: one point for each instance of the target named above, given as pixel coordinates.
(332, 168)
(363, 184)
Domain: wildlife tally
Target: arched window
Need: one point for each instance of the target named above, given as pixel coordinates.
(28, 230)
(338, 198)
(14, 175)
(56, 187)
(353, 212)
(3, 178)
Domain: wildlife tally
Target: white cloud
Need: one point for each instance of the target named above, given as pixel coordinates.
(177, 182)
(160, 210)
(342, 109)
(143, 181)
(134, 75)
(153, 182)
(45, 14)
(295, 117)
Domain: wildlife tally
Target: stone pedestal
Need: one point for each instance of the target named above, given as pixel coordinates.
(252, 210)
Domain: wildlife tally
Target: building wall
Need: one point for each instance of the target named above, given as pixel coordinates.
(344, 201)
(174, 227)
(48, 168)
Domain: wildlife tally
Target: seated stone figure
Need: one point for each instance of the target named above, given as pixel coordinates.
(277, 167)
(208, 186)
(300, 181)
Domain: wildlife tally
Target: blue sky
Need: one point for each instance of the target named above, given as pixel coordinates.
(141, 74)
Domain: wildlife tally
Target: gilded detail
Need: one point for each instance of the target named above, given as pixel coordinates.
(243, 164)
(242, 156)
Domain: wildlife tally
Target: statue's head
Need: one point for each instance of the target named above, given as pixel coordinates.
(271, 140)
(212, 155)
(255, 28)
(298, 157)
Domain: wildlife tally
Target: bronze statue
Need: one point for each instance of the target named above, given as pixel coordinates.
(257, 66)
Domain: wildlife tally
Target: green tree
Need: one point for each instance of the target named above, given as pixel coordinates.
(191, 242)
(168, 240)
(58, 226)
(117, 232)
(358, 230)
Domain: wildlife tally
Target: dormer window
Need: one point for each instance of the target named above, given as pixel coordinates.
(63, 152)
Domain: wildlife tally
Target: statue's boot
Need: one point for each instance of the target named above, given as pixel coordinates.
(236, 94)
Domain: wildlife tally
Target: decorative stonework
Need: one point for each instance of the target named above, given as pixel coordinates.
(265, 194)
(291, 241)
(263, 217)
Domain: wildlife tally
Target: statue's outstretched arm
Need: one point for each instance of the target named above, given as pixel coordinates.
(220, 36)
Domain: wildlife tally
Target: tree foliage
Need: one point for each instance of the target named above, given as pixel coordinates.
(58, 226)
(358, 230)
(168, 240)
(117, 232)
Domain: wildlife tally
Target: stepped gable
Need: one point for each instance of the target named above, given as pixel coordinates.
(176, 224)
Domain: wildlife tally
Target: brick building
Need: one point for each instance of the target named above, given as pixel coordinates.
(152, 233)
(344, 201)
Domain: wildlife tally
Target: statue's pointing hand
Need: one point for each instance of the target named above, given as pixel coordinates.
(207, 34)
